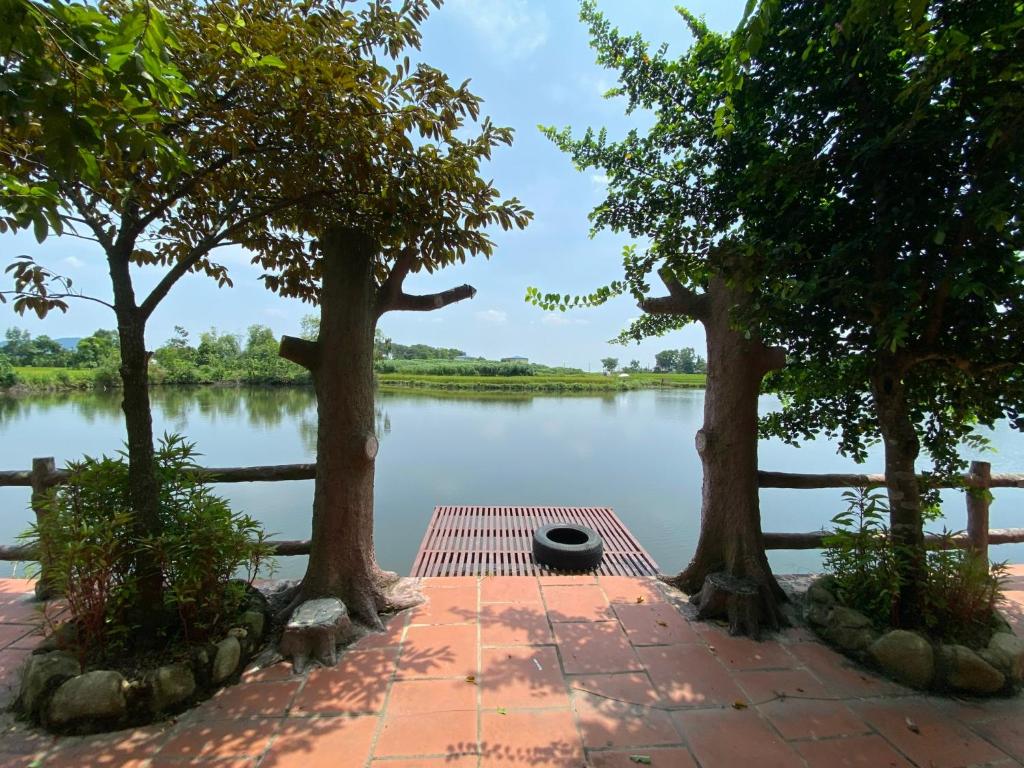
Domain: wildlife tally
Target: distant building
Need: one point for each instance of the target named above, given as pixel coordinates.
(515, 359)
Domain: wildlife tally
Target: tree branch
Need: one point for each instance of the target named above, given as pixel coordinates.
(405, 302)
(392, 287)
(680, 301)
(84, 297)
(300, 351)
(207, 244)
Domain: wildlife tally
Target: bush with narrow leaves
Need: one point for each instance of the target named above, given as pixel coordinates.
(962, 590)
(87, 539)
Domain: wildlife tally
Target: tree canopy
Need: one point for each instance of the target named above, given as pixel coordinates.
(876, 150)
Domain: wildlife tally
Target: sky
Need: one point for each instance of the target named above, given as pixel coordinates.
(531, 63)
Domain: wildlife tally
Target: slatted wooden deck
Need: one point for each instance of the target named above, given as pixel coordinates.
(498, 541)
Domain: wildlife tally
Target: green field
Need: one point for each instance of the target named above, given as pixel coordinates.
(85, 378)
(582, 382)
(55, 378)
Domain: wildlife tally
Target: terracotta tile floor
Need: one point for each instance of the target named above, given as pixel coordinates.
(568, 672)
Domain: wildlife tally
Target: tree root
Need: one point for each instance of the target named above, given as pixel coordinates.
(749, 606)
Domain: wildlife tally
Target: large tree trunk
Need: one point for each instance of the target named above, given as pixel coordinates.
(731, 541)
(143, 484)
(342, 562)
(906, 524)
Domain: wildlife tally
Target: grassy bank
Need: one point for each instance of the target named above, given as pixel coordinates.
(584, 382)
(52, 379)
(70, 379)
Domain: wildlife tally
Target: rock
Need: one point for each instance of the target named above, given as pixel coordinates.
(225, 661)
(905, 656)
(279, 595)
(172, 685)
(966, 671)
(999, 623)
(849, 629)
(819, 593)
(1008, 651)
(62, 638)
(314, 631)
(97, 695)
(41, 674)
(817, 613)
(254, 622)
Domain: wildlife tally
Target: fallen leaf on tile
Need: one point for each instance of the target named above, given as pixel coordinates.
(471, 679)
(912, 726)
(502, 711)
(639, 599)
(662, 623)
(739, 704)
(641, 759)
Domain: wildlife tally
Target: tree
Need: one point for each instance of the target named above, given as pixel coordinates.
(408, 197)
(609, 364)
(667, 360)
(663, 188)
(202, 169)
(96, 351)
(634, 366)
(218, 351)
(879, 148)
(687, 360)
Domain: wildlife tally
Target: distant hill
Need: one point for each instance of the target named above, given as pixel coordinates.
(68, 343)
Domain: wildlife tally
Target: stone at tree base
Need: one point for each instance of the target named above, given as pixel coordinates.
(819, 593)
(819, 602)
(172, 684)
(999, 623)
(63, 637)
(314, 631)
(254, 621)
(94, 696)
(225, 661)
(966, 671)
(1008, 651)
(849, 629)
(905, 656)
(41, 673)
(241, 634)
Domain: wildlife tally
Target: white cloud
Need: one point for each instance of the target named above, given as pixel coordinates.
(601, 179)
(492, 316)
(510, 28)
(74, 262)
(559, 319)
(275, 312)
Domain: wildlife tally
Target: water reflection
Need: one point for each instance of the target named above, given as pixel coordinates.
(632, 451)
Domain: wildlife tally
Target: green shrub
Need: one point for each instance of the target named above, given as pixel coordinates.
(107, 376)
(86, 538)
(8, 378)
(962, 591)
(859, 555)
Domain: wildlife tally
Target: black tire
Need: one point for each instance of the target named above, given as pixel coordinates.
(567, 547)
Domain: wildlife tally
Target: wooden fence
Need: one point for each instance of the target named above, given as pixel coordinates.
(976, 483)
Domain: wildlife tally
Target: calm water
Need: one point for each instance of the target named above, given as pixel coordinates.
(632, 451)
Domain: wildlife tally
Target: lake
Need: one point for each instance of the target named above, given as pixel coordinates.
(632, 451)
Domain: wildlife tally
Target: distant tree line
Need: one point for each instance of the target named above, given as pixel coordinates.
(225, 358)
(684, 360)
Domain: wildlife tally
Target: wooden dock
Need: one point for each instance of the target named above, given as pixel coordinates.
(498, 541)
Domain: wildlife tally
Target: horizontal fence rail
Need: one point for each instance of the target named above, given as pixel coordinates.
(978, 536)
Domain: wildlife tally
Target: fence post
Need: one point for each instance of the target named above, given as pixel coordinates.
(42, 480)
(978, 499)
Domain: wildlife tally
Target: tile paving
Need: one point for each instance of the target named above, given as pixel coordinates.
(553, 671)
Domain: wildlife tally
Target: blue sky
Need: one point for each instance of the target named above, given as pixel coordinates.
(531, 62)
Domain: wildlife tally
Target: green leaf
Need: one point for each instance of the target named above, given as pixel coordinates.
(39, 227)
